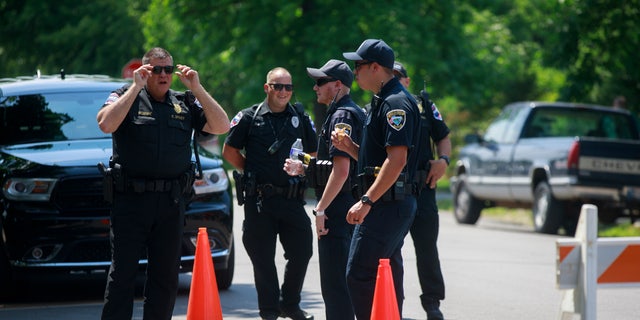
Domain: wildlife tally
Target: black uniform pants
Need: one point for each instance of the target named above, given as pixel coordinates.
(286, 219)
(424, 232)
(149, 221)
(333, 253)
(380, 236)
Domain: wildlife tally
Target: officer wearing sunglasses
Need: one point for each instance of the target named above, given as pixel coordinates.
(388, 205)
(333, 87)
(258, 143)
(151, 127)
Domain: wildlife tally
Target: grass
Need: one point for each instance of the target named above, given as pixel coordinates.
(623, 228)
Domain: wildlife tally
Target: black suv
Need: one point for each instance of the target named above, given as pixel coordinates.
(53, 214)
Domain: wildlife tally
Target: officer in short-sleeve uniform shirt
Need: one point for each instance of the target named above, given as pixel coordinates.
(153, 177)
(334, 193)
(392, 122)
(266, 135)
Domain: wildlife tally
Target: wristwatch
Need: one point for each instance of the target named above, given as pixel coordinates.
(365, 200)
(446, 158)
(317, 213)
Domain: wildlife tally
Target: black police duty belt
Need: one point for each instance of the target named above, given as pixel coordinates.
(268, 190)
(138, 185)
(397, 191)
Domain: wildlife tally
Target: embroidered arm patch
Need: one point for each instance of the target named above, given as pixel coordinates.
(396, 119)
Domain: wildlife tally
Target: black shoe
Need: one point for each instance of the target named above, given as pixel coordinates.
(433, 312)
(296, 314)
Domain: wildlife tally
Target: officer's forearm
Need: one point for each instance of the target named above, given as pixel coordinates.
(337, 178)
(389, 172)
(111, 116)
(444, 147)
(233, 156)
(217, 119)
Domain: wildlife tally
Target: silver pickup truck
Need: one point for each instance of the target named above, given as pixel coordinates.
(551, 157)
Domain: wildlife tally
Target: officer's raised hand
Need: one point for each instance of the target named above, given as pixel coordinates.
(142, 74)
(188, 76)
(343, 142)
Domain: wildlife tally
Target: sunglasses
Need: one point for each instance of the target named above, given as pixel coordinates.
(158, 69)
(360, 64)
(322, 81)
(280, 86)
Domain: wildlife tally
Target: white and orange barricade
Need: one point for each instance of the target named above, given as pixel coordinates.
(586, 262)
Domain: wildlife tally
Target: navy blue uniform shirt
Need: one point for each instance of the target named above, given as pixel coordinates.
(393, 121)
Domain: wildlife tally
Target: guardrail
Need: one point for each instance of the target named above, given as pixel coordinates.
(587, 262)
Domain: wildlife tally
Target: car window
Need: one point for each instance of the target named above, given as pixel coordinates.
(571, 122)
(503, 128)
(50, 117)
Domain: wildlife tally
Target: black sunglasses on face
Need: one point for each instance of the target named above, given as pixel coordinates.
(280, 86)
(158, 69)
(363, 63)
(322, 81)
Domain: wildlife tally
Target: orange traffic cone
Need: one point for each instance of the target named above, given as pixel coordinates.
(385, 305)
(204, 301)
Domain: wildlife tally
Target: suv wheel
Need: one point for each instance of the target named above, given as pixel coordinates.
(225, 277)
(7, 281)
(466, 207)
(547, 211)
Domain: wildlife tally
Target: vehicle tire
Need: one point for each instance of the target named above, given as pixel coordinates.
(608, 215)
(466, 207)
(225, 277)
(7, 280)
(547, 211)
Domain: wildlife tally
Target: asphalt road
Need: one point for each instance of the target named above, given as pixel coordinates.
(492, 271)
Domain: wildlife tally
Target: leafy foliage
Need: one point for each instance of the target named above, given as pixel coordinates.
(97, 37)
(473, 57)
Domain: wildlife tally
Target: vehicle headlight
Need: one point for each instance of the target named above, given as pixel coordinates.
(213, 180)
(28, 189)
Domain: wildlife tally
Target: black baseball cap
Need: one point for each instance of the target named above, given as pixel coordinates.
(375, 50)
(335, 69)
(399, 68)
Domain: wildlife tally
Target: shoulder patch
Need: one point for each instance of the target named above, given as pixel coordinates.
(197, 102)
(345, 127)
(396, 119)
(436, 113)
(236, 119)
(112, 98)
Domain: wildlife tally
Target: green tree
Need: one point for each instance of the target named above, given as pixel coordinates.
(96, 37)
(596, 42)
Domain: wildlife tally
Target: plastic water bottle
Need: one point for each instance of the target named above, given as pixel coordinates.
(296, 149)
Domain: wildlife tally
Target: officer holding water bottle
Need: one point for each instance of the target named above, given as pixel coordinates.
(259, 141)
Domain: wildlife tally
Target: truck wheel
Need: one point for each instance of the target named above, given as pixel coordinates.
(547, 211)
(466, 207)
(608, 215)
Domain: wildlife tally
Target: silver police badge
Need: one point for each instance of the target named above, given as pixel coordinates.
(396, 119)
(295, 121)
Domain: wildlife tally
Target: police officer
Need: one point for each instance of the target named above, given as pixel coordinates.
(425, 227)
(333, 83)
(151, 127)
(274, 204)
(388, 204)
